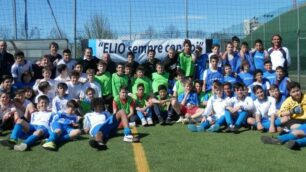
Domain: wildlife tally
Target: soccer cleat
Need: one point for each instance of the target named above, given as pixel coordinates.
(97, 145)
(235, 130)
(293, 145)
(21, 147)
(214, 128)
(144, 122)
(8, 143)
(49, 146)
(168, 121)
(130, 139)
(270, 140)
(150, 121)
(229, 129)
(180, 120)
(161, 120)
(192, 128)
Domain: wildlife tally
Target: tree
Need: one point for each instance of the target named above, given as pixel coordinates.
(171, 32)
(98, 27)
(150, 32)
(56, 34)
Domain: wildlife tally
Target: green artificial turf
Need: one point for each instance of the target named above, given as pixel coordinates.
(169, 148)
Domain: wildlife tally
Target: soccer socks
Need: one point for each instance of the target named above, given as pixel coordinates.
(53, 137)
(65, 138)
(127, 131)
(31, 140)
(286, 137)
(301, 142)
(204, 125)
(241, 117)
(228, 117)
(16, 132)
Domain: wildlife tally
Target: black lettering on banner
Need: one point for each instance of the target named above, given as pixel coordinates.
(166, 48)
(121, 48)
(160, 49)
(142, 49)
(100, 44)
(105, 48)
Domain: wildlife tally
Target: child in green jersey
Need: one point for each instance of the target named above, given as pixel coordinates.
(159, 77)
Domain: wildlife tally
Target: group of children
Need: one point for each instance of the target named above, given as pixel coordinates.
(217, 90)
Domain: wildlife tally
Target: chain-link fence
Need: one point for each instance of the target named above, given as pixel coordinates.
(219, 20)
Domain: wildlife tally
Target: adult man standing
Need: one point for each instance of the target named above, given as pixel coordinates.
(6, 60)
(111, 65)
(279, 55)
(89, 61)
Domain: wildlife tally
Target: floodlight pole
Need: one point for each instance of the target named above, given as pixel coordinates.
(298, 42)
(130, 18)
(15, 19)
(186, 17)
(74, 27)
(26, 18)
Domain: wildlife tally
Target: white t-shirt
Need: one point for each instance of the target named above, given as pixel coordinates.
(93, 119)
(18, 69)
(278, 59)
(265, 108)
(43, 118)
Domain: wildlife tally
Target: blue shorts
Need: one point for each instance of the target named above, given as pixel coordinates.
(32, 129)
(66, 129)
(108, 128)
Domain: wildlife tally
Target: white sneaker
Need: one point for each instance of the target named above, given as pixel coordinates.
(150, 121)
(144, 122)
(21, 147)
(180, 120)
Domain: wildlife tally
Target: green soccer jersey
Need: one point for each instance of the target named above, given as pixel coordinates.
(146, 82)
(85, 107)
(159, 79)
(186, 64)
(201, 98)
(124, 105)
(164, 106)
(140, 101)
(179, 87)
(105, 80)
(117, 82)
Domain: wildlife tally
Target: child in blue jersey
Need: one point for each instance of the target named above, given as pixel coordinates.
(59, 102)
(188, 104)
(200, 63)
(281, 80)
(244, 55)
(229, 76)
(36, 129)
(215, 50)
(241, 106)
(276, 94)
(212, 74)
(245, 76)
(63, 127)
(259, 80)
(259, 55)
(229, 56)
(214, 115)
(101, 125)
(269, 74)
(265, 112)
(294, 140)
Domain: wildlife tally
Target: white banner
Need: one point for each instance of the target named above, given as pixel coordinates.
(118, 49)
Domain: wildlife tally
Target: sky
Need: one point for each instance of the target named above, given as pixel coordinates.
(203, 15)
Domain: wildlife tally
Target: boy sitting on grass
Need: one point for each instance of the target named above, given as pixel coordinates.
(63, 127)
(33, 131)
(101, 125)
